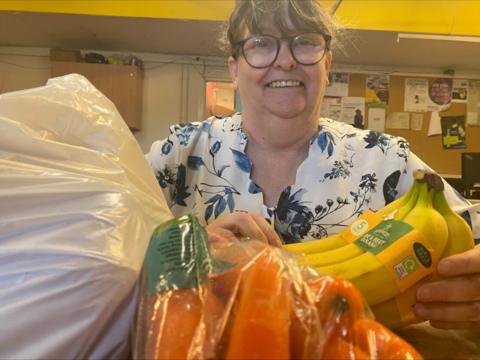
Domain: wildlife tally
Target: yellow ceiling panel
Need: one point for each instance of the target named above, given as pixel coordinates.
(458, 17)
(174, 9)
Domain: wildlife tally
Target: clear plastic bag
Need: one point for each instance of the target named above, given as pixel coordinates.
(247, 300)
(78, 203)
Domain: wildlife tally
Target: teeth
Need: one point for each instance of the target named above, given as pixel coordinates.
(284, 83)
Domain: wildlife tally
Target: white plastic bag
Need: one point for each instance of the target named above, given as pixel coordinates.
(78, 203)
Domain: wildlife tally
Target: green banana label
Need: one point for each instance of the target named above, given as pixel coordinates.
(401, 249)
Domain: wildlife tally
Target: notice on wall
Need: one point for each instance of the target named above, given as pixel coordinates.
(377, 90)
(453, 132)
(460, 91)
(398, 120)
(416, 94)
(331, 107)
(434, 127)
(422, 97)
(376, 119)
(473, 103)
(338, 84)
(416, 121)
(352, 107)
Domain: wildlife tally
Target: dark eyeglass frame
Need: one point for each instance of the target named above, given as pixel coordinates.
(240, 44)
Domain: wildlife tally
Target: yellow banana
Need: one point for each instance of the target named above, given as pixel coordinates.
(410, 204)
(353, 268)
(460, 236)
(397, 311)
(369, 275)
(315, 246)
(331, 256)
(428, 221)
(395, 205)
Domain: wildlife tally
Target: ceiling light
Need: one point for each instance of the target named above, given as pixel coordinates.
(474, 39)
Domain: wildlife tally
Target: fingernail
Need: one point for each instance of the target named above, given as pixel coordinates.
(445, 266)
(423, 293)
(419, 309)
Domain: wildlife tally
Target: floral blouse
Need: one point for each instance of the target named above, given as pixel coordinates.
(202, 169)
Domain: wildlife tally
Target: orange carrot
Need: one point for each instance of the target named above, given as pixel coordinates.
(386, 344)
(176, 315)
(261, 314)
(339, 349)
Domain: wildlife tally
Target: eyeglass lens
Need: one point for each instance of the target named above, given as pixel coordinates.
(261, 51)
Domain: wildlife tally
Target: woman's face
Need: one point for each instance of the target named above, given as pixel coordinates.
(285, 89)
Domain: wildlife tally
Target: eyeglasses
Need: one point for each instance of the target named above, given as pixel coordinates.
(261, 51)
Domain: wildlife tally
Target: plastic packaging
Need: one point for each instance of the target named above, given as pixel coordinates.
(78, 204)
(247, 300)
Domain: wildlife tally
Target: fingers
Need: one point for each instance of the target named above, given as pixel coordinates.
(267, 229)
(464, 263)
(448, 313)
(242, 224)
(457, 289)
(220, 235)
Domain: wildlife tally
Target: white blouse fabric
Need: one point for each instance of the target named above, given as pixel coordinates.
(202, 169)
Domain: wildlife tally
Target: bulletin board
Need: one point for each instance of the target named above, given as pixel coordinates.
(428, 148)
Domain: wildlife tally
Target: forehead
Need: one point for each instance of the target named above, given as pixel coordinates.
(270, 27)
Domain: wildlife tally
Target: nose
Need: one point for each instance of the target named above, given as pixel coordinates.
(285, 60)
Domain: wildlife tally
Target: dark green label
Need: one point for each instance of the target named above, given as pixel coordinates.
(178, 255)
(383, 235)
(423, 255)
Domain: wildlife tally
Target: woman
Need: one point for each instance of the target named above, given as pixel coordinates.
(279, 173)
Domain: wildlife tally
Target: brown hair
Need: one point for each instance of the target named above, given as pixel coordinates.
(303, 15)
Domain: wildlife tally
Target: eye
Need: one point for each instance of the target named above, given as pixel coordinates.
(260, 42)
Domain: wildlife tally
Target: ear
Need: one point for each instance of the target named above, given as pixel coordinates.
(233, 69)
(328, 62)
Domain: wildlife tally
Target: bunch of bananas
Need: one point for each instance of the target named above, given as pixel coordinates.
(429, 230)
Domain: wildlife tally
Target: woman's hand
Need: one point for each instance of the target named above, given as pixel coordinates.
(454, 301)
(242, 224)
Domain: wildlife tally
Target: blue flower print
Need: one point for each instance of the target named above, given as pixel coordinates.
(325, 141)
(292, 218)
(390, 187)
(167, 147)
(184, 131)
(175, 179)
(375, 138)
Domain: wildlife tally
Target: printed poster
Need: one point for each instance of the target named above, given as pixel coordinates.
(353, 109)
(398, 120)
(376, 119)
(378, 88)
(473, 103)
(416, 121)
(422, 97)
(331, 107)
(338, 84)
(453, 132)
(460, 91)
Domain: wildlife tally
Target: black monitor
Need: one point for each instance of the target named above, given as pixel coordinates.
(470, 168)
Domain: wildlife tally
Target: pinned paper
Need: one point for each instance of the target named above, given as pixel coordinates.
(434, 127)
(398, 120)
(376, 119)
(416, 121)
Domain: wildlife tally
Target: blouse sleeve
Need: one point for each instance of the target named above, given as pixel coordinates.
(168, 159)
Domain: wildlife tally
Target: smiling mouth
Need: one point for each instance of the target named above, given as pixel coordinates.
(284, 84)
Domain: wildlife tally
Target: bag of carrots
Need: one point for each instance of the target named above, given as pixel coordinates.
(247, 300)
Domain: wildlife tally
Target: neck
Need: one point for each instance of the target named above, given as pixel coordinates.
(282, 135)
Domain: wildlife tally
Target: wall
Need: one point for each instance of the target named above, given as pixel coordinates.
(428, 148)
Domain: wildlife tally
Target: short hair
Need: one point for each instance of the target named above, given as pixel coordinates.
(303, 15)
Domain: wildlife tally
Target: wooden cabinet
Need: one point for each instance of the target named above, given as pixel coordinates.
(122, 84)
